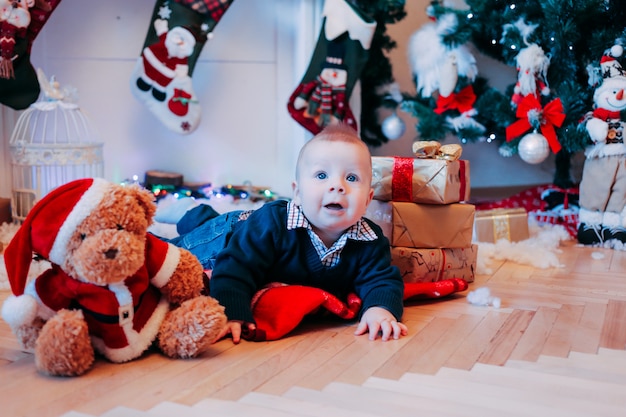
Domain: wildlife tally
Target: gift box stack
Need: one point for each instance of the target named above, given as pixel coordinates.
(419, 204)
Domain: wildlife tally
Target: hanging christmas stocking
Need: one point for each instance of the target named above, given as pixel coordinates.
(162, 77)
(342, 49)
(20, 23)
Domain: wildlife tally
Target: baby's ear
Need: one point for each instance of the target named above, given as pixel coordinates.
(296, 193)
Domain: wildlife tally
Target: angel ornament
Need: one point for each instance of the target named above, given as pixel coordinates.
(53, 94)
(532, 67)
(445, 72)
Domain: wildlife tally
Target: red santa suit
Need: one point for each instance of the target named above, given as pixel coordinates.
(158, 65)
(123, 319)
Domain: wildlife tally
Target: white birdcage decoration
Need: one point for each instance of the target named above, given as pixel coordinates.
(52, 143)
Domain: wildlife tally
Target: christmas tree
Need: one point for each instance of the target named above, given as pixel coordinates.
(556, 47)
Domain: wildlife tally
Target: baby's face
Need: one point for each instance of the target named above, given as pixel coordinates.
(333, 187)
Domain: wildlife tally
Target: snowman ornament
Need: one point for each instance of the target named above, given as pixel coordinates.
(602, 216)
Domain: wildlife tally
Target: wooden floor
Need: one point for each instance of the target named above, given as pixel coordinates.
(556, 347)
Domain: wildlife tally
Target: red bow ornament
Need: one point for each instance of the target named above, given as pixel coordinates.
(462, 101)
(551, 115)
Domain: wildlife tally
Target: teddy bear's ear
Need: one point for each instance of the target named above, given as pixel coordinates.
(145, 199)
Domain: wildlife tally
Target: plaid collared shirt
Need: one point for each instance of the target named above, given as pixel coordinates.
(329, 256)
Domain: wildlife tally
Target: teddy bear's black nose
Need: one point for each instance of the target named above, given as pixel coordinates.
(111, 253)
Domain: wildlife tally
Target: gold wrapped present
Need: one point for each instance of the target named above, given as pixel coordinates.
(503, 223)
(419, 180)
(430, 265)
(424, 225)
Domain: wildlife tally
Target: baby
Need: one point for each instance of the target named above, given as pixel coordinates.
(319, 239)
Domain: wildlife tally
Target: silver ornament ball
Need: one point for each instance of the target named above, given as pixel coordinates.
(393, 127)
(533, 148)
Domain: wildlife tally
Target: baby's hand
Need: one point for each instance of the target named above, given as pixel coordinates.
(234, 327)
(377, 319)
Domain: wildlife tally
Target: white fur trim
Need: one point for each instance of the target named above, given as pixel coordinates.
(611, 219)
(341, 18)
(83, 208)
(590, 217)
(20, 310)
(122, 293)
(603, 149)
(138, 342)
(172, 258)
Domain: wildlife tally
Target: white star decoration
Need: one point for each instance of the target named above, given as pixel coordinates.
(165, 12)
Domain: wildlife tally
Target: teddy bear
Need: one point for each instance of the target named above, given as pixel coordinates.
(602, 215)
(112, 287)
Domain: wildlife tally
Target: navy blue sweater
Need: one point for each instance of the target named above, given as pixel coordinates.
(262, 250)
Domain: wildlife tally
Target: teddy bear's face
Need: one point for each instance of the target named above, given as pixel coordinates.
(109, 245)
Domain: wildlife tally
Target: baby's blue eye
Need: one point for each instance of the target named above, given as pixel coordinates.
(352, 178)
(321, 176)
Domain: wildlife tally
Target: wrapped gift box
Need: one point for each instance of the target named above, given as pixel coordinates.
(424, 225)
(502, 223)
(430, 265)
(429, 181)
(380, 213)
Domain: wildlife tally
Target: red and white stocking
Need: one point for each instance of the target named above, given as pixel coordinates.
(20, 23)
(342, 49)
(162, 76)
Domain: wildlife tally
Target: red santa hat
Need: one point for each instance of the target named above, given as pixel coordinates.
(609, 66)
(49, 225)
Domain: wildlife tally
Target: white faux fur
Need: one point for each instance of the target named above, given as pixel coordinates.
(20, 310)
(540, 250)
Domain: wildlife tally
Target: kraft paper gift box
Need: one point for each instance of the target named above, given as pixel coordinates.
(430, 265)
(424, 225)
(503, 223)
(419, 180)
(380, 213)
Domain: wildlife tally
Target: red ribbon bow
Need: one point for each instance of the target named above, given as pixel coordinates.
(462, 101)
(552, 115)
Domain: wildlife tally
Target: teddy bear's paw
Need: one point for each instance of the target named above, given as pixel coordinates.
(190, 329)
(186, 282)
(28, 334)
(64, 347)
